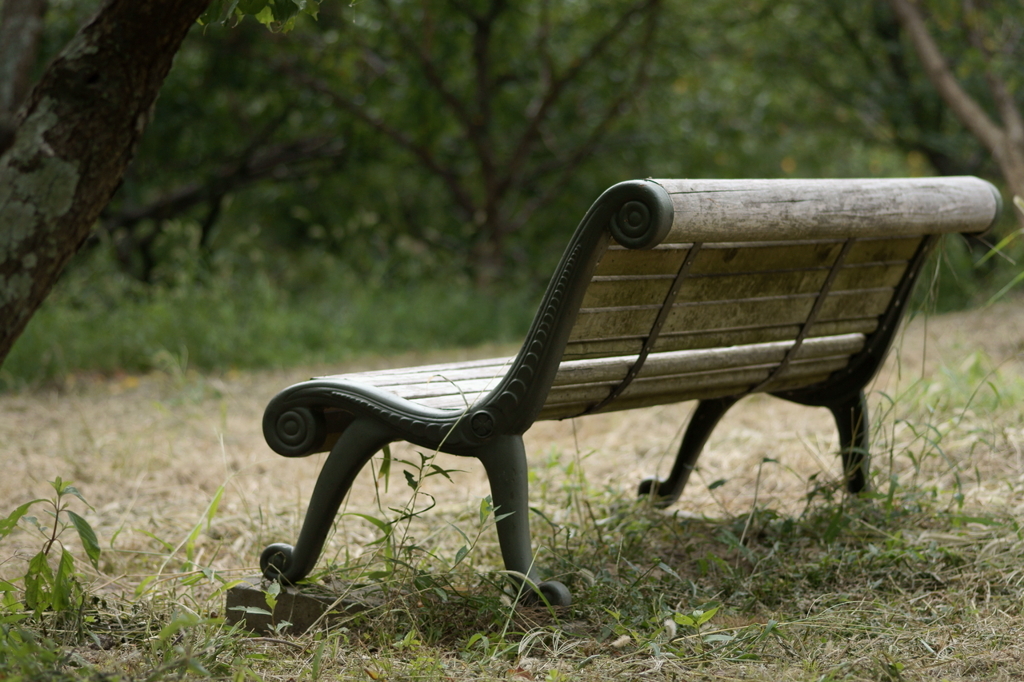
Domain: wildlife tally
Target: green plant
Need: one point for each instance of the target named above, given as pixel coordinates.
(45, 588)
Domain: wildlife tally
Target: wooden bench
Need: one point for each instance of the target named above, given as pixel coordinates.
(669, 290)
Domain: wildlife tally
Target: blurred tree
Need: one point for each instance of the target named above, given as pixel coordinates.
(454, 123)
(21, 25)
(858, 76)
(500, 102)
(77, 130)
(991, 37)
(935, 93)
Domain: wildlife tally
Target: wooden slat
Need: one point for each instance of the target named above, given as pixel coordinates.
(632, 291)
(443, 388)
(648, 290)
(754, 311)
(679, 386)
(662, 260)
(738, 258)
(424, 369)
(451, 402)
(716, 338)
(840, 305)
(749, 210)
(672, 363)
(600, 348)
(603, 323)
(776, 310)
(439, 374)
(870, 275)
(565, 410)
(882, 250)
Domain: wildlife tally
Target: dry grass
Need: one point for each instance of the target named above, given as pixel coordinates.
(921, 584)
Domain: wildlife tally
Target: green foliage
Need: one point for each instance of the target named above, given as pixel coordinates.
(46, 589)
(26, 655)
(277, 15)
(101, 321)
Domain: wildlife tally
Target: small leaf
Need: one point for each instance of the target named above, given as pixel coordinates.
(385, 467)
(270, 596)
(410, 479)
(178, 623)
(382, 525)
(38, 581)
(461, 554)
(284, 10)
(211, 510)
(707, 615)
(62, 596)
(999, 294)
(265, 16)
(88, 538)
(195, 666)
(438, 470)
(141, 589)
(218, 12)
(668, 569)
(486, 508)
(251, 609)
(251, 6)
(718, 484)
(72, 490)
(10, 523)
(682, 619)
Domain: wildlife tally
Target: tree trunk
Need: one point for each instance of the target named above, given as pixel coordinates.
(75, 136)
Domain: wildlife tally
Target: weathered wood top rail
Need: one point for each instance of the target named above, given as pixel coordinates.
(669, 290)
(750, 210)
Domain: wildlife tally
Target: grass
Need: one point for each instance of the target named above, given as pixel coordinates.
(98, 320)
(772, 575)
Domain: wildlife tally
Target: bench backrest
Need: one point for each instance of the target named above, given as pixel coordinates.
(762, 285)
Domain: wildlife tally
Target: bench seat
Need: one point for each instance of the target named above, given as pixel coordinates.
(668, 377)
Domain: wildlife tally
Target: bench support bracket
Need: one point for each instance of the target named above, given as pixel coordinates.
(705, 417)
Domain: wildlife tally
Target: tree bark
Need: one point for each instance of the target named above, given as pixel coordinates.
(1005, 142)
(74, 137)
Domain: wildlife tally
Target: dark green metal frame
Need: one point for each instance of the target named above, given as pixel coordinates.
(307, 417)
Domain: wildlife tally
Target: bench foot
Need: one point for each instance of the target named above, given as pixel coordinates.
(554, 593)
(852, 422)
(702, 423)
(277, 560)
(360, 441)
(504, 459)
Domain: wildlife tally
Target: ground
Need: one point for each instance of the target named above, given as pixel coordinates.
(150, 453)
(158, 446)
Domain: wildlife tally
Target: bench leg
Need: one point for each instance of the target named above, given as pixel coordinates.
(360, 441)
(852, 423)
(504, 459)
(702, 423)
